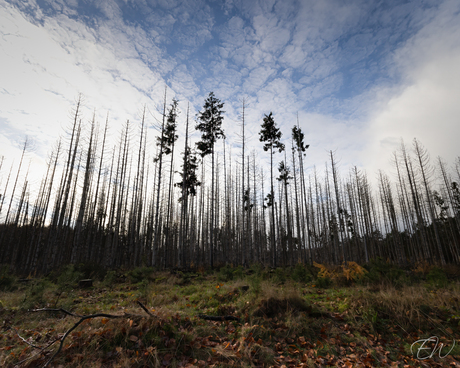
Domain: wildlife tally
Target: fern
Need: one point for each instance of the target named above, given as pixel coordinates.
(351, 271)
(423, 267)
(323, 271)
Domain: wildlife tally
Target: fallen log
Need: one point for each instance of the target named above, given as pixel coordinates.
(218, 318)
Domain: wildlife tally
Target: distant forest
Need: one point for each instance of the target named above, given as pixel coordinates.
(197, 206)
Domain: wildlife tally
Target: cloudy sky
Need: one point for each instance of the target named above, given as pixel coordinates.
(359, 74)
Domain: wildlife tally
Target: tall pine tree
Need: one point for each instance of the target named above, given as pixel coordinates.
(271, 135)
(209, 124)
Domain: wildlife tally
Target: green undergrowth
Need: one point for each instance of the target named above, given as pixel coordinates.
(299, 316)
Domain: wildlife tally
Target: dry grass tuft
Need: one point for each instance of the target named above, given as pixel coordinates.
(273, 307)
(410, 307)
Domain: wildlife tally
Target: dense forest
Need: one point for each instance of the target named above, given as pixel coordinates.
(196, 205)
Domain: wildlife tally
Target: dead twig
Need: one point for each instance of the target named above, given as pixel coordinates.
(145, 309)
(23, 339)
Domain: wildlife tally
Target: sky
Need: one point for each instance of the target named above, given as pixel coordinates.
(357, 75)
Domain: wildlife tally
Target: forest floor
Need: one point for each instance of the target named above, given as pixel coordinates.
(281, 322)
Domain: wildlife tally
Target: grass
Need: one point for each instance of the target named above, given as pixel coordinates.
(285, 319)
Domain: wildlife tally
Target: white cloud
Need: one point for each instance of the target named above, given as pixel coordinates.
(183, 82)
(426, 104)
(325, 134)
(257, 78)
(358, 83)
(293, 56)
(49, 63)
(109, 8)
(269, 34)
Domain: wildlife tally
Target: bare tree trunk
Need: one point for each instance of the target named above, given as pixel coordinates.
(423, 160)
(170, 204)
(183, 226)
(273, 227)
(79, 251)
(339, 205)
(137, 204)
(297, 209)
(414, 192)
(248, 222)
(157, 209)
(456, 220)
(94, 216)
(26, 142)
(42, 215)
(6, 188)
(4, 250)
(202, 235)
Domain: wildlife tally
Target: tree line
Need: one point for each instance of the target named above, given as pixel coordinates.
(201, 207)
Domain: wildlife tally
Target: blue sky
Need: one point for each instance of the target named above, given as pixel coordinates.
(360, 75)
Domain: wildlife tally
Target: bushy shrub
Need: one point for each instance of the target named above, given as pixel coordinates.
(381, 271)
(185, 278)
(225, 274)
(278, 275)
(437, 278)
(68, 278)
(91, 271)
(257, 269)
(398, 277)
(323, 282)
(238, 273)
(110, 279)
(143, 289)
(256, 284)
(373, 276)
(300, 273)
(34, 296)
(228, 273)
(7, 280)
(139, 273)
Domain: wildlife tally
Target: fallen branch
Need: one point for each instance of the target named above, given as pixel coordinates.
(40, 348)
(56, 310)
(38, 352)
(145, 309)
(218, 318)
(23, 339)
(83, 318)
